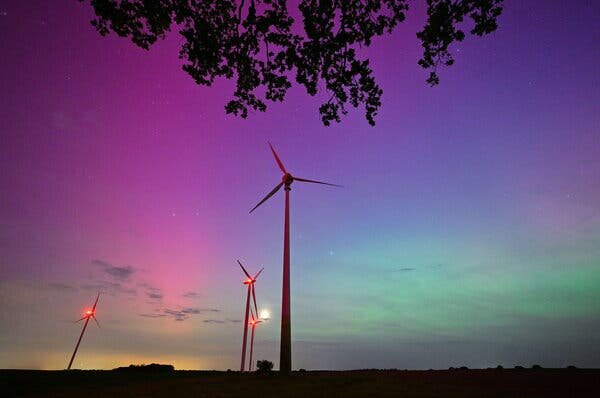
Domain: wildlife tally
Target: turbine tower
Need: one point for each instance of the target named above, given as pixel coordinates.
(285, 351)
(86, 315)
(249, 281)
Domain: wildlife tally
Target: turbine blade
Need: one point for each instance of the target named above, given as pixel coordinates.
(254, 299)
(277, 159)
(315, 182)
(96, 302)
(268, 196)
(258, 273)
(79, 320)
(97, 323)
(244, 269)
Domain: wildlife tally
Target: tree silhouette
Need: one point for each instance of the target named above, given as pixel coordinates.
(256, 43)
(264, 366)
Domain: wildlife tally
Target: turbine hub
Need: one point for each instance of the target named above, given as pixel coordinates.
(287, 179)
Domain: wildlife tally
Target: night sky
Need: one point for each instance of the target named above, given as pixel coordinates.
(467, 231)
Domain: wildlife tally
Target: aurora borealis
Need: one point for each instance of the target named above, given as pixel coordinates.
(467, 231)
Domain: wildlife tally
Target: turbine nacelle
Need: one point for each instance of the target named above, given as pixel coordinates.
(90, 312)
(287, 179)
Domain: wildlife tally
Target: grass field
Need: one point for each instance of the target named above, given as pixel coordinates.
(444, 383)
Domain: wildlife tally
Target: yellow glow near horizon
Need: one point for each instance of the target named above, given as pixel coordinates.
(55, 360)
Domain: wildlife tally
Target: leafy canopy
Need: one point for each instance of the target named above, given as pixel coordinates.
(258, 43)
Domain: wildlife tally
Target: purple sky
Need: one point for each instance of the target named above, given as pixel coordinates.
(467, 231)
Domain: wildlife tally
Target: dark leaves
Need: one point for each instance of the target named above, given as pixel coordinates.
(441, 29)
(252, 41)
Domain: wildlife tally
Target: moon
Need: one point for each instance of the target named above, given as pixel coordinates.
(265, 314)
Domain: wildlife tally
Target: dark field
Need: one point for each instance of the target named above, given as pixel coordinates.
(456, 383)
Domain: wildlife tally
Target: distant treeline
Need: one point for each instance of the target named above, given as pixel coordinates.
(153, 367)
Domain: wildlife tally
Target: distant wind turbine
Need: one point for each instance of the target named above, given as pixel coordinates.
(253, 323)
(86, 315)
(285, 352)
(249, 281)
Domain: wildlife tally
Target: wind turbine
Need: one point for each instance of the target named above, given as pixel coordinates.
(250, 282)
(86, 315)
(285, 351)
(253, 323)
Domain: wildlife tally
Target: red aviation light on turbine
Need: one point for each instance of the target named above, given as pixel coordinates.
(88, 313)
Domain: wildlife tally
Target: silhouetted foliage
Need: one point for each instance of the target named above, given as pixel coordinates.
(464, 368)
(499, 367)
(519, 367)
(153, 368)
(264, 366)
(536, 367)
(571, 367)
(256, 43)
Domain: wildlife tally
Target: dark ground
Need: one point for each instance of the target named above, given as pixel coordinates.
(437, 383)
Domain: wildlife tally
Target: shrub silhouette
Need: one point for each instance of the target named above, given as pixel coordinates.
(264, 366)
(536, 366)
